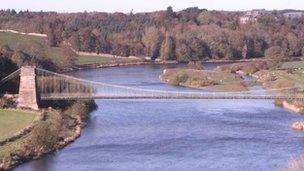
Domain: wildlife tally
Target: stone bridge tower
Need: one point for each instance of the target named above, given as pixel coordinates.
(27, 89)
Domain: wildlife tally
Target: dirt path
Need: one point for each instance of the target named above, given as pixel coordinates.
(30, 34)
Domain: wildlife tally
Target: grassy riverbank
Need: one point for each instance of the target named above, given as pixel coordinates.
(245, 68)
(293, 64)
(227, 78)
(286, 81)
(281, 78)
(56, 129)
(214, 80)
(11, 122)
(223, 78)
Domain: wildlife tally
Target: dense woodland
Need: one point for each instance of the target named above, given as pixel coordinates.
(191, 34)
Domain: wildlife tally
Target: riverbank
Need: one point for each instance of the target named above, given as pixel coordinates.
(228, 77)
(108, 65)
(141, 61)
(284, 80)
(293, 106)
(115, 64)
(62, 127)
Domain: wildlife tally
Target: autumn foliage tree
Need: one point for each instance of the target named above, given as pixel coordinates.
(152, 39)
(167, 48)
(275, 56)
(190, 34)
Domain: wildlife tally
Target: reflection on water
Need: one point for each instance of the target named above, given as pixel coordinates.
(176, 134)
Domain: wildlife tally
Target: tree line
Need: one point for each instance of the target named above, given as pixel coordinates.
(188, 35)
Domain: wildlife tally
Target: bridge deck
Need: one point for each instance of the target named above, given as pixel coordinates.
(54, 86)
(74, 97)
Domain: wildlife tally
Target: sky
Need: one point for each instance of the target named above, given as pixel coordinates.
(146, 5)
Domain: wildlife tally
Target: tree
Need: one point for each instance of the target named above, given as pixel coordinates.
(248, 48)
(87, 40)
(170, 12)
(74, 41)
(102, 44)
(295, 45)
(275, 56)
(5, 51)
(189, 15)
(152, 39)
(183, 51)
(36, 51)
(199, 50)
(205, 17)
(245, 52)
(44, 141)
(54, 31)
(21, 58)
(167, 48)
(302, 51)
(68, 57)
(267, 20)
(51, 39)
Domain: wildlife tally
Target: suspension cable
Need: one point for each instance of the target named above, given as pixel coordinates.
(154, 91)
(10, 77)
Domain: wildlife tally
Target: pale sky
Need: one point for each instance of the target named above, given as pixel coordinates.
(146, 5)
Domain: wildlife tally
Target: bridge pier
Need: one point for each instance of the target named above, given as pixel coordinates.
(27, 89)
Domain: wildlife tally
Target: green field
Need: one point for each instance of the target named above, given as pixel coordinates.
(294, 64)
(87, 60)
(35, 44)
(12, 122)
(282, 79)
(296, 77)
(32, 45)
(32, 139)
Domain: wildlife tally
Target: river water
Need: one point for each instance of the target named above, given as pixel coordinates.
(176, 134)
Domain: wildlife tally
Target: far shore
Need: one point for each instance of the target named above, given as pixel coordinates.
(151, 62)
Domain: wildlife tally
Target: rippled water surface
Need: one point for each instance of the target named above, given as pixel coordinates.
(176, 134)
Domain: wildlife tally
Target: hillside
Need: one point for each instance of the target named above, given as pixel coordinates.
(63, 56)
(36, 47)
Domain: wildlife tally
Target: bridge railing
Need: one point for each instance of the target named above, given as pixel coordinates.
(52, 85)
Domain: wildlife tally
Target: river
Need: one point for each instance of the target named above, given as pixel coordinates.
(176, 134)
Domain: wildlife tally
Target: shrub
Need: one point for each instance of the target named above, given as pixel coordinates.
(180, 78)
(235, 67)
(45, 136)
(7, 103)
(250, 69)
(278, 103)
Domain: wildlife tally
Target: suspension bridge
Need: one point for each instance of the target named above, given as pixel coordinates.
(36, 83)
